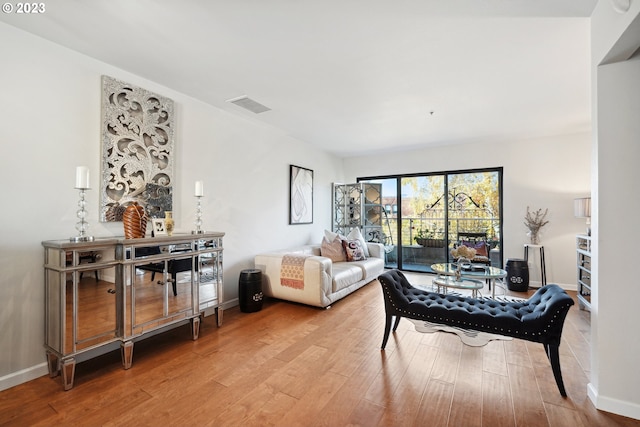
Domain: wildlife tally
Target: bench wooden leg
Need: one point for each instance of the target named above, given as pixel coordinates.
(553, 354)
(387, 329)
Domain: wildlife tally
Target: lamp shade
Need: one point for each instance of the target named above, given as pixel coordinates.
(582, 207)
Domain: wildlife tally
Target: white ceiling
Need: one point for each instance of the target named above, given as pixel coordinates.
(353, 76)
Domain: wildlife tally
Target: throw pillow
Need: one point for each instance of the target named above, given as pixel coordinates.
(330, 235)
(353, 249)
(333, 249)
(355, 234)
(480, 247)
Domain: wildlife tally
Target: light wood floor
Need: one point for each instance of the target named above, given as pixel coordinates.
(292, 365)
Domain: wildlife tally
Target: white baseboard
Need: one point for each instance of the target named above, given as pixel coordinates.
(231, 303)
(23, 376)
(615, 406)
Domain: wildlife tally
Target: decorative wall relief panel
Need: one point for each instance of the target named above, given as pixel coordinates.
(137, 150)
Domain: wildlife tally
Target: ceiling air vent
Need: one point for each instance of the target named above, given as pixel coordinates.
(249, 104)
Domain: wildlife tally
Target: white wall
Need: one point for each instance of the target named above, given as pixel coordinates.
(50, 111)
(615, 346)
(541, 173)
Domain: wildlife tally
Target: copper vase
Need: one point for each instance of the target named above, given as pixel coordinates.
(134, 220)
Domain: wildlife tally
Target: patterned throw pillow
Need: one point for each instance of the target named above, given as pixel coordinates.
(333, 249)
(355, 234)
(353, 249)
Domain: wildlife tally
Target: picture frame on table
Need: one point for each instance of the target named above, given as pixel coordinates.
(157, 227)
(300, 195)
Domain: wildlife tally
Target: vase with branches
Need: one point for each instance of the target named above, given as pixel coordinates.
(534, 221)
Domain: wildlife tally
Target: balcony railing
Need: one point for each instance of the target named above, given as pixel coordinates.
(434, 229)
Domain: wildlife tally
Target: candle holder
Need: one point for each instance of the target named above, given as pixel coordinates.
(198, 222)
(82, 225)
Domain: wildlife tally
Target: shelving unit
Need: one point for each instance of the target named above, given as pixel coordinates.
(583, 250)
(358, 205)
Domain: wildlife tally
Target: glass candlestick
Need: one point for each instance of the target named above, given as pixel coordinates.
(198, 223)
(82, 225)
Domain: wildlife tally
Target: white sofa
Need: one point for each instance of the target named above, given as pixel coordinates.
(325, 281)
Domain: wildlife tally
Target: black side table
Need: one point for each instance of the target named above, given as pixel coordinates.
(250, 290)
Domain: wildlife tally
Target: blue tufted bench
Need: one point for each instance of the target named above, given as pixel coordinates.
(538, 319)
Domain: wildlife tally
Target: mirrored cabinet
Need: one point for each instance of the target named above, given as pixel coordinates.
(109, 293)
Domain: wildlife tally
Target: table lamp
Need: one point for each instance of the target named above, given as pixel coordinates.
(582, 209)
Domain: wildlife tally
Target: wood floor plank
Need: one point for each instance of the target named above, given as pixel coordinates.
(252, 403)
(347, 359)
(435, 407)
(527, 401)
(270, 414)
(192, 407)
(291, 379)
(497, 405)
(466, 405)
(220, 398)
(25, 415)
(516, 353)
(446, 365)
(364, 414)
(341, 409)
(311, 406)
(562, 416)
(404, 403)
(494, 358)
(394, 365)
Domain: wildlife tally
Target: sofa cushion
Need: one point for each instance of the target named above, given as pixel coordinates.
(354, 250)
(346, 274)
(371, 267)
(333, 249)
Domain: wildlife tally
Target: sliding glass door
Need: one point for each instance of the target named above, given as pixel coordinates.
(475, 206)
(423, 221)
(426, 214)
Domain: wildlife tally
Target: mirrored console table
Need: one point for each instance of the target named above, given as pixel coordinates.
(112, 292)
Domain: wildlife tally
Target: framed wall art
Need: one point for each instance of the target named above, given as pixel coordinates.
(301, 195)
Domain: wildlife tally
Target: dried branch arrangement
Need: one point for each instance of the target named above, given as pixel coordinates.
(534, 222)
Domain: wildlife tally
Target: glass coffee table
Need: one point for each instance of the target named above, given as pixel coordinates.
(445, 282)
(477, 272)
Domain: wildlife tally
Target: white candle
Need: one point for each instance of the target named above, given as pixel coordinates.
(199, 189)
(82, 177)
